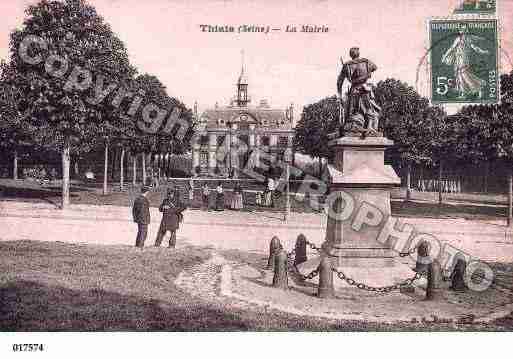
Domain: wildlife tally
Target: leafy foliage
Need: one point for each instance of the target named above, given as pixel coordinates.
(74, 31)
(485, 133)
(419, 130)
(317, 121)
(164, 139)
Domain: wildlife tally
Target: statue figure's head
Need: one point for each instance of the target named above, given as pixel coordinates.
(354, 52)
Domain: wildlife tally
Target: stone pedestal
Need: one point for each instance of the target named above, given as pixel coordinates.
(360, 177)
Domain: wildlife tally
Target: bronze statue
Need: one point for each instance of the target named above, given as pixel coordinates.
(362, 111)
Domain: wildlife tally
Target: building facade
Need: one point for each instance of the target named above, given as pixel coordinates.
(240, 135)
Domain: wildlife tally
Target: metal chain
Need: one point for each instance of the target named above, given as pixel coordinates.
(369, 288)
(313, 246)
(410, 252)
(295, 269)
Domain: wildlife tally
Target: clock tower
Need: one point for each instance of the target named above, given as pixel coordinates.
(242, 87)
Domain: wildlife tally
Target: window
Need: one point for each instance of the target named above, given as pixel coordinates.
(283, 141)
(204, 140)
(265, 141)
(220, 140)
(204, 159)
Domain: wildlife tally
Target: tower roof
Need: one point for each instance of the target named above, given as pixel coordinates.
(243, 79)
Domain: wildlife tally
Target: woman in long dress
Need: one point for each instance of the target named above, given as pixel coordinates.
(237, 199)
(219, 197)
(258, 198)
(459, 57)
(191, 190)
(269, 199)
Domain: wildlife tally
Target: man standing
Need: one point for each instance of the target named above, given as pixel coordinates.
(171, 217)
(362, 110)
(141, 214)
(205, 192)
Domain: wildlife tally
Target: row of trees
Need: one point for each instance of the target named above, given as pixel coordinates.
(83, 94)
(423, 134)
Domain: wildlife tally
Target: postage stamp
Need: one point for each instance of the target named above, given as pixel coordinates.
(488, 7)
(464, 63)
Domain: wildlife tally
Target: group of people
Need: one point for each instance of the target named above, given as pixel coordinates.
(266, 198)
(172, 215)
(215, 200)
(172, 207)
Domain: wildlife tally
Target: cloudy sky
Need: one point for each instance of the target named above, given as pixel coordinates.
(164, 38)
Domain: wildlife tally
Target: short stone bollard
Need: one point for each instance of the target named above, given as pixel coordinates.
(458, 276)
(274, 247)
(326, 289)
(434, 281)
(281, 278)
(421, 266)
(300, 248)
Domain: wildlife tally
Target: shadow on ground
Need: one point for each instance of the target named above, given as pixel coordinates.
(32, 306)
(51, 195)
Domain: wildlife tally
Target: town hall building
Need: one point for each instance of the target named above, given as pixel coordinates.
(230, 136)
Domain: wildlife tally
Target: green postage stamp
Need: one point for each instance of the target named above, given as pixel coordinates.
(487, 7)
(464, 61)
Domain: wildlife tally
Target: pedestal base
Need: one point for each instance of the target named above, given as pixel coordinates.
(362, 207)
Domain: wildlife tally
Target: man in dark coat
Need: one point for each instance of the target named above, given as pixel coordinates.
(171, 209)
(141, 214)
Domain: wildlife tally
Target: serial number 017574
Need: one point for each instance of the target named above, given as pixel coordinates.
(27, 347)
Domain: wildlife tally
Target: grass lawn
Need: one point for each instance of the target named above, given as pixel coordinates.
(67, 287)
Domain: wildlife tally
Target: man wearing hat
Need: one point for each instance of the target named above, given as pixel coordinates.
(171, 217)
(141, 214)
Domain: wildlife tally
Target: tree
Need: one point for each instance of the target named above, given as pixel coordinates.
(162, 135)
(416, 128)
(68, 60)
(485, 133)
(15, 133)
(317, 121)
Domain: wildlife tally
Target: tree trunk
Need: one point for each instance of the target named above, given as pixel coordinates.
(440, 169)
(510, 196)
(134, 169)
(408, 182)
(106, 168)
(15, 166)
(113, 162)
(487, 171)
(320, 167)
(144, 168)
(76, 169)
(65, 176)
(122, 168)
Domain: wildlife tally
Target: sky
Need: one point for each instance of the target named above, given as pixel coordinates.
(164, 38)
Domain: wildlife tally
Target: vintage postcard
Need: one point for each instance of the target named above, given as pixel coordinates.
(264, 166)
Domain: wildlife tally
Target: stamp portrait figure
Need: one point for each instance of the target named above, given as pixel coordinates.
(459, 57)
(362, 111)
